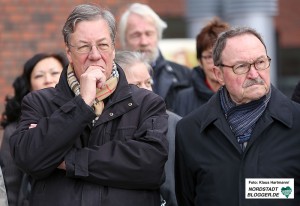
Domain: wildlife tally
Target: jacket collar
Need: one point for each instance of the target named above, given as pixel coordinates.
(199, 85)
(63, 92)
(213, 115)
(159, 62)
(279, 108)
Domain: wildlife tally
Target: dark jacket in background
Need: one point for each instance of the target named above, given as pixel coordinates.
(296, 93)
(169, 78)
(191, 98)
(118, 161)
(211, 168)
(3, 195)
(11, 173)
(167, 190)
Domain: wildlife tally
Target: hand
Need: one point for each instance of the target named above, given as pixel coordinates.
(91, 79)
(32, 126)
(62, 166)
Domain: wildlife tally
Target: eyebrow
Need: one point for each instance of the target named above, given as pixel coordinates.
(240, 62)
(99, 40)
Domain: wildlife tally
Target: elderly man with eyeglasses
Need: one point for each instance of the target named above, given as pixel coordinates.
(242, 147)
(93, 139)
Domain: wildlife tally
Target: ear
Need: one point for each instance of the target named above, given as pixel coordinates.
(114, 54)
(68, 53)
(219, 75)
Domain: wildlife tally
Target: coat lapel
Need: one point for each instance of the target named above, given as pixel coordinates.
(215, 115)
(278, 109)
(63, 92)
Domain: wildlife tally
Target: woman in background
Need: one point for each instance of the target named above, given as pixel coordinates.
(39, 72)
(204, 82)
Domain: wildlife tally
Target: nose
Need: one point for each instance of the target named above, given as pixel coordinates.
(144, 40)
(48, 78)
(94, 53)
(253, 73)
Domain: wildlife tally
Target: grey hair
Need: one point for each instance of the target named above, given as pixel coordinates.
(233, 32)
(88, 12)
(126, 59)
(142, 10)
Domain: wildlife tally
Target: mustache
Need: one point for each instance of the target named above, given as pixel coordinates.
(251, 82)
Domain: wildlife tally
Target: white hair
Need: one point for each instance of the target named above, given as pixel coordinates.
(126, 59)
(144, 11)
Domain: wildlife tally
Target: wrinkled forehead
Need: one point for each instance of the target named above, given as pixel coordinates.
(243, 46)
(140, 22)
(93, 30)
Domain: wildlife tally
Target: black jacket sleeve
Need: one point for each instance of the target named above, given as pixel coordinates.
(39, 151)
(136, 163)
(296, 93)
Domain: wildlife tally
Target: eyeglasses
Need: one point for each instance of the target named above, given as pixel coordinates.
(207, 57)
(87, 48)
(243, 68)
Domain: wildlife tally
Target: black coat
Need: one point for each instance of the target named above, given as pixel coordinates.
(169, 78)
(3, 196)
(11, 173)
(118, 161)
(296, 93)
(193, 97)
(167, 190)
(211, 168)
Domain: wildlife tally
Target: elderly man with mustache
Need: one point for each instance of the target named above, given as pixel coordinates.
(247, 131)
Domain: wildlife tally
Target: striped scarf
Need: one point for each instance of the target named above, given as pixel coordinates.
(242, 118)
(110, 86)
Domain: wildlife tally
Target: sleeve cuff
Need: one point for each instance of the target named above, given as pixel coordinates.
(77, 163)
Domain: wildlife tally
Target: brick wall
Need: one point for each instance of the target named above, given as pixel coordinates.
(31, 26)
(288, 23)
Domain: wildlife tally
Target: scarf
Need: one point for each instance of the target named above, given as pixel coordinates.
(242, 118)
(101, 94)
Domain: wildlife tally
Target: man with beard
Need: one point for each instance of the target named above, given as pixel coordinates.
(248, 129)
(140, 29)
